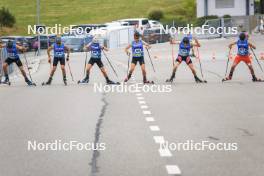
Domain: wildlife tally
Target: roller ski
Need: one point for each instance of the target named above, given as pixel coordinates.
(148, 82)
(198, 80)
(255, 79)
(30, 83)
(48, 83)
(65, 81)
(6, 82)
(109, 82)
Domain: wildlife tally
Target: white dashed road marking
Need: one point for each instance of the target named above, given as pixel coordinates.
(165, 152)
(150, 119)
(154, 128)
(173, 170)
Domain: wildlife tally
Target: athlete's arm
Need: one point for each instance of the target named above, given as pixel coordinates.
(21, 48)
(146, 44)
(68, 52)
(174, 42)
(127, 48)
(251, 45)
(87, 47)
(196, 44)
(104, 48)
(48, 52)
(232, 44)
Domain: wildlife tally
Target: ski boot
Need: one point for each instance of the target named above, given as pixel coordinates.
(48, 82)
(65, 81)
(6, 81)
(198, 80)
(84, 81)
(226, 79)
(255, 79)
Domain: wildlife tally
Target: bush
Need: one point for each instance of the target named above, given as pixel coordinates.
(200, 21)
(6, 18)
(155, 14)
(226, 16)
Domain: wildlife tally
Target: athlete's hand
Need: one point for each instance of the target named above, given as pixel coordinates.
(67, 58)
(128, 53)
(49, 59)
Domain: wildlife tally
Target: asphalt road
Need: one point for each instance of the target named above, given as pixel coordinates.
(131, 125)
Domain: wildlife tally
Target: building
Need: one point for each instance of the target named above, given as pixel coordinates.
(225, 7)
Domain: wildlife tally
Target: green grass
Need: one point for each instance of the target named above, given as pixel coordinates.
(68, 12)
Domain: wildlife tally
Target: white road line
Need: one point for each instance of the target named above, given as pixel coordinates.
(140, 98)
(159, 139)
(144, 107)
(173, 170)
(150, 119)
(146, 112)
(142, 102)
(165, 152)
(139, 94)
(154, 128)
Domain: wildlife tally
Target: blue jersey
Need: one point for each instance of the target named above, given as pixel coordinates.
(184, 50)
(242, 47)
(12, 52)
(96, 50)
(137, 49)
(59, 50)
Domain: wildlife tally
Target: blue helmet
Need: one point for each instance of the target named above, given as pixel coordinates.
(58, 40)
(186, 40)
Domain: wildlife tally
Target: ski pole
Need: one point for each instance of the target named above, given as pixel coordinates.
(172, 55)
(110, 64)
(70, 70)
(85, 63)
(227, 63)
(150, 60)
(256, 58)
(198, 56)
(28, 67)
(128, 62)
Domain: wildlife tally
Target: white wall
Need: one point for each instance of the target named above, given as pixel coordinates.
(239, 10)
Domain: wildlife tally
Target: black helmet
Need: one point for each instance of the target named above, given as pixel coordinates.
(242, 36)
(9, 44)
(58, 40)
(186, 40)
(137, 34)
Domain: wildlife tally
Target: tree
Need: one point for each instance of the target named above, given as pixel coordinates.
(7, 19)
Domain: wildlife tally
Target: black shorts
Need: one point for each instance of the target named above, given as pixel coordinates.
(186, 59)
(98, 61)
(138, 59)
(17, 61)
(56, 60)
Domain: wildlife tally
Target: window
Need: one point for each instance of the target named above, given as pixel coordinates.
(220, 4)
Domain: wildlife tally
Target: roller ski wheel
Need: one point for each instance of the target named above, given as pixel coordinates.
(31, 84)
(148, 82)
(65, 82)
(45, 84)
(198, 80)
(6, 83)
(226, 79)
(257, 80)
(169, 80)
(112, 83)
